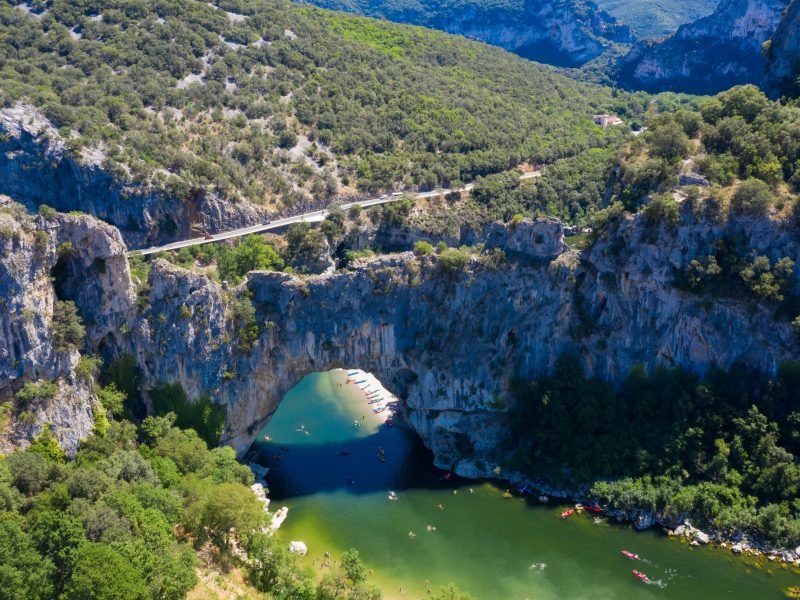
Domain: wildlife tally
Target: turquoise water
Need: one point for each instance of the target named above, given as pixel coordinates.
(493, 547)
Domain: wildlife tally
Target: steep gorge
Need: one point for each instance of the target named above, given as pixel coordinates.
(450, 344)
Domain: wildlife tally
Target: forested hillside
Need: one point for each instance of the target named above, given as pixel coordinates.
(274, 103)
(722, 448)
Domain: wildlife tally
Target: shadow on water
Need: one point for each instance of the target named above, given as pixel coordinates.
(306, 468)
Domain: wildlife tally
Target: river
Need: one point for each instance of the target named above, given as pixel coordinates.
(465, 532)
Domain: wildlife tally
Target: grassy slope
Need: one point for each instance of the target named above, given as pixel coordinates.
(383, 103)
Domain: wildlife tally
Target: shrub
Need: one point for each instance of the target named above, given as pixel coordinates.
(662, 210)
(752, 197)
(423, 248)
(67, 328)
(47, 212)
(34, 392)
(453, 260)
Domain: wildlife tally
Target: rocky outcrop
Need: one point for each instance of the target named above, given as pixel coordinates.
(565, 33)
(783, 68)
(37, 167)
(43, 260)
(710, 55)
(450, 344)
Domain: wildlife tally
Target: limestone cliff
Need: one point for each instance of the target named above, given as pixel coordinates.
(709, 55)
(783, 69)
(43, 260)
(37, 167)
(449, 342)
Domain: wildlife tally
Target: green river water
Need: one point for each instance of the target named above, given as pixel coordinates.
(493, 547)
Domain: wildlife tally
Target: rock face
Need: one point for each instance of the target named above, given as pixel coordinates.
(36, 167)
(450, 344)
(783, 69)
(710, 55)
(564, 33)
(87, 260)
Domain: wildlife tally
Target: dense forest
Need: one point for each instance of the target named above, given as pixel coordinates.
(146, 512)
(721, 449)
(264, 100)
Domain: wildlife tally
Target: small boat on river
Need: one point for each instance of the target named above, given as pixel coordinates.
(567, 513)
(630, 555)
(641, 576)
(344, 452)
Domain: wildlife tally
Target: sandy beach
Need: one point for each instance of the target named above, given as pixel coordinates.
(369, 389)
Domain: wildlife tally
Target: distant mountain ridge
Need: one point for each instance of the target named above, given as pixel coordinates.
(565, 33)
(783, 55)
(710, 55)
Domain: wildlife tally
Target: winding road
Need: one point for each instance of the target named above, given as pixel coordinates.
(309, 217)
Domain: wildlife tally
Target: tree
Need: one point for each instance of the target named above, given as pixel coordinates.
(333, 225)
(24, 573)
(112, 399)
(274, 569)
(46, 444)
(58, 537)
(752, 197)
(102, 573)
(251, 254)
(225, 508)
(67, 327)
(669, 141)
(29, 471)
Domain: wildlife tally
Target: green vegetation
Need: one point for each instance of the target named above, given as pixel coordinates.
(67, 326)
(182, 97)
(720, 449)
(36, 392)
(203, 415)
(651, 18)
(747, 147)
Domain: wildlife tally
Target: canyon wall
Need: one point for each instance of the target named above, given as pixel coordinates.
(450, 344)
(449, 341)
(783, 68)
(709, 55)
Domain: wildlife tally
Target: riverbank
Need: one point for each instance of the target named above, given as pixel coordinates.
(490, 545)
(739, 543)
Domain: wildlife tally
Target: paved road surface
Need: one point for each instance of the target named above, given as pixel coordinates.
(310, 217)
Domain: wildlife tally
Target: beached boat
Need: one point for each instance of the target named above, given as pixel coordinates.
(379, 409)
(641, 576)
(567, 513)
(630, 555)
(593, 509)
(351, 373)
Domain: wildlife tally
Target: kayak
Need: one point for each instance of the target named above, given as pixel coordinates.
(630, 555)
(568, 513)
(641, 576)
(593, 509)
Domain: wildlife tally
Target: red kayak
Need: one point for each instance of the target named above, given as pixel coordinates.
(630, 555)
(640, 575)
(568, 513)
(593, 509)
